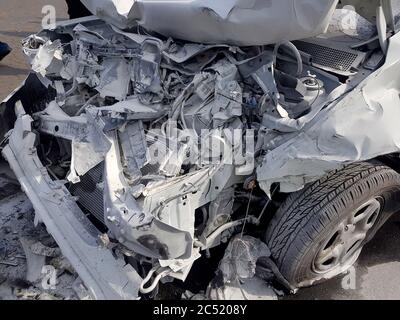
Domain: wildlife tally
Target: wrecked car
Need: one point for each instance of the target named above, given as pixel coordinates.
(257, 138)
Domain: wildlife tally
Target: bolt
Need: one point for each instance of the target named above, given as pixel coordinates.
(221, 219)
(112, 219)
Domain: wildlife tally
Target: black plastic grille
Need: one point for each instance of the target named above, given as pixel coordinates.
(90, 196)
(328, 57)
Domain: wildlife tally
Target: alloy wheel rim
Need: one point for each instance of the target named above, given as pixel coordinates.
(344, 245)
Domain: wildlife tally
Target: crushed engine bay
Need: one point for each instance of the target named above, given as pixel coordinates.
(141, 152)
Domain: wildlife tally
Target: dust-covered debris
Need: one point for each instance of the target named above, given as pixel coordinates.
(16, 226)
(236, 278)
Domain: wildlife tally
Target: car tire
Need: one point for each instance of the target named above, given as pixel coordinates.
(319, 232)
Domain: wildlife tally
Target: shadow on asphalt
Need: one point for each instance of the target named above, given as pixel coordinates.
(11, 71)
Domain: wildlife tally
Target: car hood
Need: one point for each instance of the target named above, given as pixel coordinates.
(234, 22)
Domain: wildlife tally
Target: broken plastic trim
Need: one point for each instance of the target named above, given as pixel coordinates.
(105, 276)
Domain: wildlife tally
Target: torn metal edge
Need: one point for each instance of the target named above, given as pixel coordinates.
(107, 277)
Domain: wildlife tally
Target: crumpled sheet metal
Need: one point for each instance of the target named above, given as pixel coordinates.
(350, 23)
(236, 22)
(361, 126)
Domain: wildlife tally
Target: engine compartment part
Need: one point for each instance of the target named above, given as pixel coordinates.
(236, 277)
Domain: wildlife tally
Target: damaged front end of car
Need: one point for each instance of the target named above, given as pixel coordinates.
(142, 149)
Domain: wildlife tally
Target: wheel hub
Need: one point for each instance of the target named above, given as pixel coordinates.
(344, 245)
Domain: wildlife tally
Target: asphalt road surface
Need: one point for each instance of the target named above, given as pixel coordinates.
(376, 275)
(19, 19)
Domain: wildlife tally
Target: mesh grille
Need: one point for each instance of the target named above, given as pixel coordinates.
(329, 57)
(90, 197)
